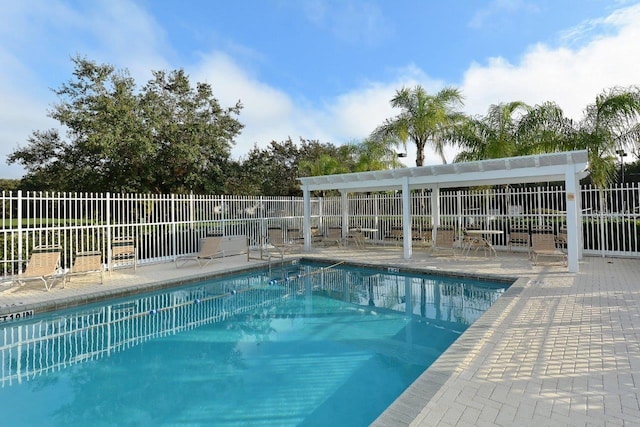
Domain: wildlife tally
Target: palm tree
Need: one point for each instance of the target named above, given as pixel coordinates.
(545, 129)
(492, 136)
(610, 124)
(423, 118)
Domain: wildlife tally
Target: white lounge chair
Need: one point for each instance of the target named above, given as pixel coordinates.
(276, 239)
(519, 238)
(123, 253)
(473, 242)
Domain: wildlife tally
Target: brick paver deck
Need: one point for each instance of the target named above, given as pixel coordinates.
(556, 349)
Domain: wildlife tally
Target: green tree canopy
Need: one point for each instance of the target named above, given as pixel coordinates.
(168, 137)
(373, 154)
(275, 169)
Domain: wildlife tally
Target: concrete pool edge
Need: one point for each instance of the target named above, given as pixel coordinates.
(418, 270)
(61, 302)
(408, 407)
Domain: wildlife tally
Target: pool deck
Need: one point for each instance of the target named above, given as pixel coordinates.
(557, 349)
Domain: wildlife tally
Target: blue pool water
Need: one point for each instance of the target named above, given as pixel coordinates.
(302, 346)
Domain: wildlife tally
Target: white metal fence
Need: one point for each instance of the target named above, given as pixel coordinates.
(164, 226)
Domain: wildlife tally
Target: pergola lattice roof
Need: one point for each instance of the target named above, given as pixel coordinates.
(535, 168)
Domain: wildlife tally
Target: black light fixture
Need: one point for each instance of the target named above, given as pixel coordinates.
(622, 155)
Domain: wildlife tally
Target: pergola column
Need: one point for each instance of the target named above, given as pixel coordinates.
(407, 241)
(306, 219)
(435, 206)
(345, 213)
(571, 185)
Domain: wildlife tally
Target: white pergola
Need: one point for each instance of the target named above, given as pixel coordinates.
(569, 167)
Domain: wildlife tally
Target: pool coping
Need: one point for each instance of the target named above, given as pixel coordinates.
(70, 301)
(64, 302)
(406, 409)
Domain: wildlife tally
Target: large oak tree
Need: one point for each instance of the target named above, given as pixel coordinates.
(168, 137)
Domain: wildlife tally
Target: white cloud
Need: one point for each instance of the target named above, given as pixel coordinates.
(570, 77)
(268, 114)
(41, 35)
(272, 115)
(351, 21)
(501, 7)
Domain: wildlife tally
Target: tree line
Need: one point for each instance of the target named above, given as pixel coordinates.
(170, 136)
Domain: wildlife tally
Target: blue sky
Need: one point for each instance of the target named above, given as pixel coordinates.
(320, 69)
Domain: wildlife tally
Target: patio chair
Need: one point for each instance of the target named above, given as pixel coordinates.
(519, 238)
(473, 242)
(544, 244)
(294, 235)
(444, 240)
(209, 251)
(561, 239)
(276, 239)
(123, 251)
(396, 234)
(357, 237)
(43, 265)
(85, 263)
(422, 237)
(316, 235)
(334, 236)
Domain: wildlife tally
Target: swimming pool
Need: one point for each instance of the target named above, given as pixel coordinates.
(305, 345)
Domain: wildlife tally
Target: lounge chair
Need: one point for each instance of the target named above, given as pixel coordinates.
(276, 240)
(396, 234)
(544, 244)
(334, 236)
(209, 251)
(475, 241)
(86, 263)
(519, 238)
(445, 240)
(123, 251)
(43, 265)
(422, 237)
(316, 235)
(561, 239)
(357, 236)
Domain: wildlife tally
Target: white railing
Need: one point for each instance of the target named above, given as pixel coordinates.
(165, 226)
